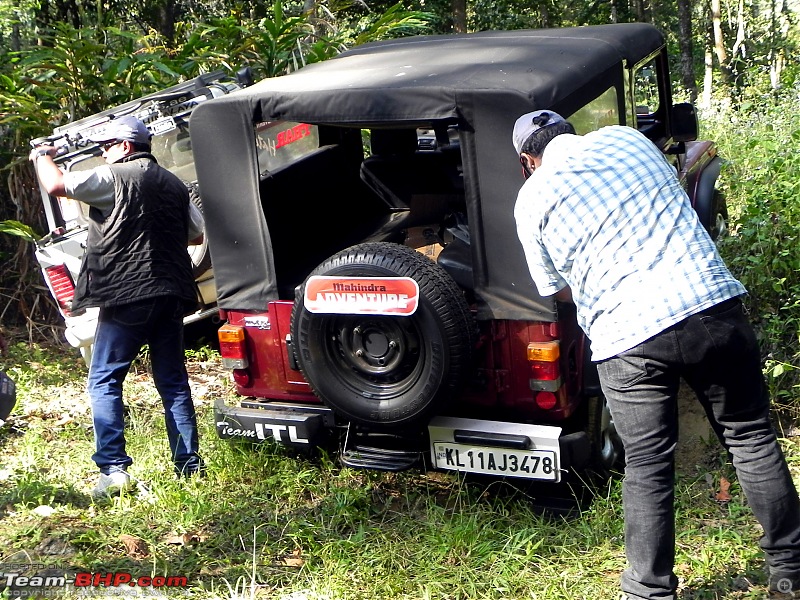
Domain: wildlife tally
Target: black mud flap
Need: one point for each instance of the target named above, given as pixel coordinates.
(575, 450)
(295, 425)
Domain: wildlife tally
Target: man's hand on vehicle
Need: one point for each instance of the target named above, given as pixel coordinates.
(50, 176)
(39, 151)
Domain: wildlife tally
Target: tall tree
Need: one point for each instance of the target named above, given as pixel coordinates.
(459, 16)
(686, 46)
(718, 43)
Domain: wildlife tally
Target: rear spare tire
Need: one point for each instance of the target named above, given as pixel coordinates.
(386, 371)
(201, 257)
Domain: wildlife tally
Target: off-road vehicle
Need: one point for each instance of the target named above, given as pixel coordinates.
(360, 220)
(61, 251)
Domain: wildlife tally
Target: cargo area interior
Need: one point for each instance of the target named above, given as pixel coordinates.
(346, 198)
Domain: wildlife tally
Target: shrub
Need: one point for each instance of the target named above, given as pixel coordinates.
(761, 145)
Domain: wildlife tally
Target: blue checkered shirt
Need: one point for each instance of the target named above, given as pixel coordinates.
(606, 215)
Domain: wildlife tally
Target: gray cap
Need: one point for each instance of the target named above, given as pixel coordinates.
(123, 129)
(532, 122)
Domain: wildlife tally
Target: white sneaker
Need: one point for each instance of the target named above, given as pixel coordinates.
(112, 484)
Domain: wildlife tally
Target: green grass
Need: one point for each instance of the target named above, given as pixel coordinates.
(266, 523)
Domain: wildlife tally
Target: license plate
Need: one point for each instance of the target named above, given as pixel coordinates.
(163, 125)
(530, 464)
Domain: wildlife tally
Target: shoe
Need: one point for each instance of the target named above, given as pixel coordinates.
(113, 484)
(195, 468)
(198, 473)
(784, 585)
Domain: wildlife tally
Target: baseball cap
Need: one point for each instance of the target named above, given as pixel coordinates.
(123, 129)
(525, 125)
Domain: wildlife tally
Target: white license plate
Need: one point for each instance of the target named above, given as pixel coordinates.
(163, 125)
(530, 464)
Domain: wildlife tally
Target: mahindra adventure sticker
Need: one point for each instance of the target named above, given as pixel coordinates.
(391, 296)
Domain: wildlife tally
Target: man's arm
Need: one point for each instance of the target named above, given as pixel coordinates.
(50, 176)
(94, 187)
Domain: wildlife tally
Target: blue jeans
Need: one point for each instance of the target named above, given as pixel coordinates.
(716, 353)
(121, 333)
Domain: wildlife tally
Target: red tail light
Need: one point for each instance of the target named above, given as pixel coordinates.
(545, 371)
(546, 400)
(232, 346)
(545, 380)
(63, 287)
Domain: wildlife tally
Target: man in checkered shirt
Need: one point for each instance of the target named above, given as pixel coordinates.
(605, 223)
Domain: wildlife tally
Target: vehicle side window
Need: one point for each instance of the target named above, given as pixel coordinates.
(602, 111)
(648, 98)
(280, 143)
(645, 89)
(173, 151)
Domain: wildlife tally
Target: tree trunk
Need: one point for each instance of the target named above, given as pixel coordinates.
(719, 41)
(641, 17)
(544, 15)
(459, 8)
(708, 75)
(16, 40)
(686, 48)
(778, 33)
(167, 16)
(15, 43)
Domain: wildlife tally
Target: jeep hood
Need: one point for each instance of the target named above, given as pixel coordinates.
(481, 81)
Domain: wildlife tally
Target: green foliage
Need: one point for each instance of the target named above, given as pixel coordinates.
(18, 229)
(79, 71)
(65, 75)
(269, 46)
(396, 21)
(762, 146)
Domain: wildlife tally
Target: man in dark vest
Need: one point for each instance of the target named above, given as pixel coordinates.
(137, 271)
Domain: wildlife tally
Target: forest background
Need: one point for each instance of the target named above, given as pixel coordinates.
(736, 59)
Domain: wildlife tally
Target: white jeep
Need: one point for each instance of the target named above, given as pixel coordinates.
(61, 251)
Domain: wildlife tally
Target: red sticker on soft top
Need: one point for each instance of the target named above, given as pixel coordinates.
(361, 295)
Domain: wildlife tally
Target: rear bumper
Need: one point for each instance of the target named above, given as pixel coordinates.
(297, 425)
(305, 426)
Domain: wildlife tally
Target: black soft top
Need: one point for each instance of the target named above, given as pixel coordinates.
(480, 81)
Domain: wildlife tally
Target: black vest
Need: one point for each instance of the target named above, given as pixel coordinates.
(138, 249)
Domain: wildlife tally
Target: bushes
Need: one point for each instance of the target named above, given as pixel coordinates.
(762, 182)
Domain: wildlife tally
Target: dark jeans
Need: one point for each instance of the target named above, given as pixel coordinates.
(715, 351)
(121, 333)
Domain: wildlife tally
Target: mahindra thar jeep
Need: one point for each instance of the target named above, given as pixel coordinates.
(61, 251)
(374, 294)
